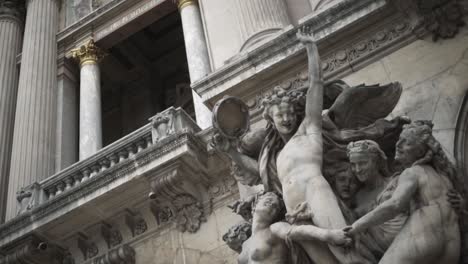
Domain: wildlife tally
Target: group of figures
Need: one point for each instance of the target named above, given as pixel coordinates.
(342, 185)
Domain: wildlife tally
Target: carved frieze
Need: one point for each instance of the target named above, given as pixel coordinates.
(124, 254)
(442, 18)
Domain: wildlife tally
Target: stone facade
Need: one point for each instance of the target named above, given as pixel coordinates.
(163, 193)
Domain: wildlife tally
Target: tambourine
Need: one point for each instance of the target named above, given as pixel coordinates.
(231, 117)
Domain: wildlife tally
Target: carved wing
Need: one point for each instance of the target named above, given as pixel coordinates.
(362, 105)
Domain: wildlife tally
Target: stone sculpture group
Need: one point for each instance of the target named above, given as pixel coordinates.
(344, 184)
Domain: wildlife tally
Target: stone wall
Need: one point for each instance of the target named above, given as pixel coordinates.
(205, 246)
(434, 78)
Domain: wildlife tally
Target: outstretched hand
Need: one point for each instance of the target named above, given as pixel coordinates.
(337, 237)
(305, 35)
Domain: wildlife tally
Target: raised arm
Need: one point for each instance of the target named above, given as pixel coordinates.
(314, 98)
(400, 200)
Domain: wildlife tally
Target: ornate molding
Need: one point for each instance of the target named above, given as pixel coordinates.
(87, 247)
(442, 18)
(135, 222)
(111, 235)
(347, 58)
(185, 193)
(122, 255)
(34, 250)
(88, 53)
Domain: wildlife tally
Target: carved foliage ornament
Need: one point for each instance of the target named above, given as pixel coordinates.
(180, 194)
(88, 53)
(121, 255)
(443, 18)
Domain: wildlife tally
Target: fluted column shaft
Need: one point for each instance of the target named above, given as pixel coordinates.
(34, 131)
(259, 19)
(197, 54)
(10, 46)
(90, 99)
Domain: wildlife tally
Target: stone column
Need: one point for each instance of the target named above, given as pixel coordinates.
(90, 139)
(197, 54)
(11, 14)
(32, 157)
(260, 19)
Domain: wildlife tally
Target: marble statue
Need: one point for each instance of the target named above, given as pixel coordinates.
(369, 165)
(237, 235)
(431, 233)
(271, 239)
(344, 168)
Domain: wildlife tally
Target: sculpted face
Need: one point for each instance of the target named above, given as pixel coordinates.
(267, 207)
(409, 150)
(284, 118)
(346, 184)
(363, 165)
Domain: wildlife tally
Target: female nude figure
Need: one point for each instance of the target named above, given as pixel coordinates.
(268, 241)
(431, 234)
(300, 167)
(369, 165)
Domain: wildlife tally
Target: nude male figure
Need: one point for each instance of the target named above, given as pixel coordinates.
(300, 168)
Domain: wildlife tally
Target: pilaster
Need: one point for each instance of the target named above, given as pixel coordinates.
(260, 19)
(11, 24)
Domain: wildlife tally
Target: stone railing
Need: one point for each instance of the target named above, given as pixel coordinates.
(162, 125)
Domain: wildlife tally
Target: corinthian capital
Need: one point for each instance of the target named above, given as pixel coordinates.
(88, 53)
(13, 8)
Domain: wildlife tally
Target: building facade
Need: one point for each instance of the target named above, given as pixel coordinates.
(106, 110)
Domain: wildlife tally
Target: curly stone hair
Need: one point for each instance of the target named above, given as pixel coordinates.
(281, 206)
(370, 147)
(421, 132)
(281, 95)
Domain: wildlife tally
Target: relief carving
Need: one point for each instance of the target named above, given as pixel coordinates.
(122, 255)
(442, 18)
(135, 222)
(180, 194)
(34, 250)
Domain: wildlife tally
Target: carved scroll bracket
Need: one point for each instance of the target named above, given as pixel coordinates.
(170, 122)
(180, 193)
(34, 250)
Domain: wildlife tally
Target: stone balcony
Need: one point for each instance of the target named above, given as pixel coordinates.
(160, 175)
